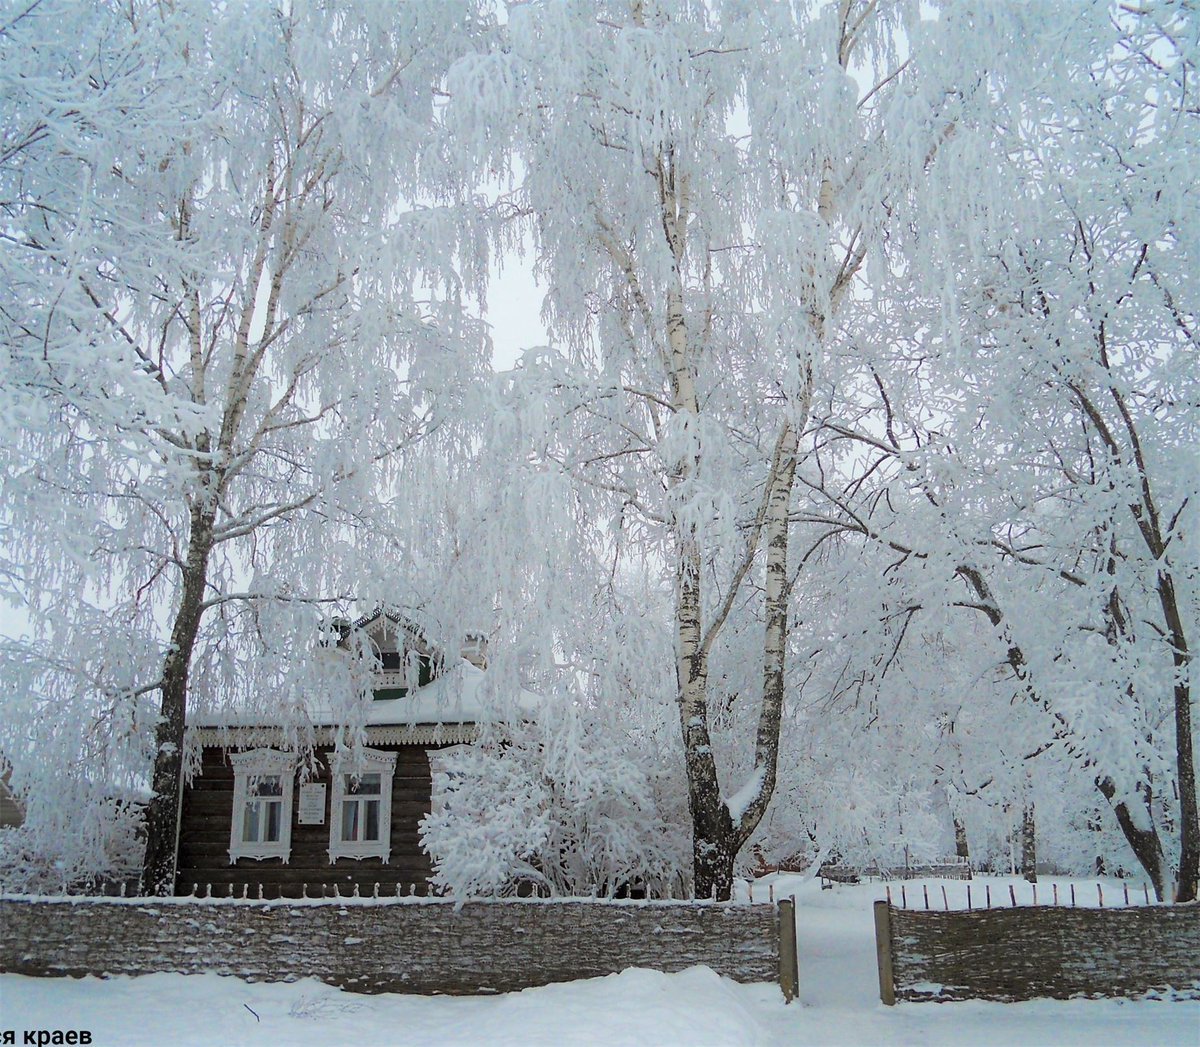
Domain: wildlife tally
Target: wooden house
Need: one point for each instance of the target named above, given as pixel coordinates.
(251, 819)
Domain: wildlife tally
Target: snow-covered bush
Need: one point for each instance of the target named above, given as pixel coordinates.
(566, 805)
(74, 841)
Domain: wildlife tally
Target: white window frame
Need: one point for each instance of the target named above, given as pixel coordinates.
(366, 761)
(247, 766)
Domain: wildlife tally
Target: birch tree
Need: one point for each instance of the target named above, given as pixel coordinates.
(700, 186)
(217, 304)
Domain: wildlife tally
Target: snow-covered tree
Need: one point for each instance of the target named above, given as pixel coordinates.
(1039, 415)
(569, 803)
(224, 322)
(701, 186)
(1079, 297)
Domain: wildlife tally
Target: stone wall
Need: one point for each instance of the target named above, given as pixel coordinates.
(392, 945)
(1026, 952)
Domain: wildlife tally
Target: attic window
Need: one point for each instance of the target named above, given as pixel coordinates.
(424, 670)
(263, 780)
(402, 669)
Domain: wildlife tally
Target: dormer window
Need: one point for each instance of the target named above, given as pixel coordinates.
(398, 673)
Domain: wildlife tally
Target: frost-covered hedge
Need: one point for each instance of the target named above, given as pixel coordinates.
(562, 805)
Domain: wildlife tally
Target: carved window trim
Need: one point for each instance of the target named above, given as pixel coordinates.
(344, 766)
(247, 767)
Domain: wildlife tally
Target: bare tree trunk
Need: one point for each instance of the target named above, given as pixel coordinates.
(1148, 518)
(1144, 842)
(713, 843)
(1094, 825)
(162, 814)
(712, 829)
(962, 849)
(777, 506)
(717, 835)
(1028, 843)
(1188, 886)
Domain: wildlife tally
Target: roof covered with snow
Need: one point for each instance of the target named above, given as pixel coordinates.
(463, 694)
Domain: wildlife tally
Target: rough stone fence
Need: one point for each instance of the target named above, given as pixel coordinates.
(414, 945)
(1023, 952)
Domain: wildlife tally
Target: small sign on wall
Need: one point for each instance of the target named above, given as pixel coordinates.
(311, 808)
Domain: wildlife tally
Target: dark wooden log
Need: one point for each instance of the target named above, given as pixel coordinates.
(789, 974)
(207, 822)
(883, 953)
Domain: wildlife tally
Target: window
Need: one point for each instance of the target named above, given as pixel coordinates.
(262, 813)
(390, 661)
(360, 820)
(399, 673)
(360, 809)
(262, 805)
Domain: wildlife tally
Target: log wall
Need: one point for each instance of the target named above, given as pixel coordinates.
(1026, 952)
(208, 815)
(418, 946)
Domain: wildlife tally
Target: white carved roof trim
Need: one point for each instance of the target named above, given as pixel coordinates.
(375, 757)
(233, 737)
(263, 760)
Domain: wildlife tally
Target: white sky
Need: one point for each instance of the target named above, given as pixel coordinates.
(514, 312)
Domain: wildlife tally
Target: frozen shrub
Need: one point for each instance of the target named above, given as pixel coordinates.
(564, 806)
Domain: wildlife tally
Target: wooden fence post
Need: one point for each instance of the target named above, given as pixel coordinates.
(789, 974)
(883, 953)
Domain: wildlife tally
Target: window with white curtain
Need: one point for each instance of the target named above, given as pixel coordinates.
(361, 806)
(263, 782)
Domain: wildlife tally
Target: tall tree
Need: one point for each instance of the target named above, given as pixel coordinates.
(216, 312)
(1092, 291)
(701, 186)
(1043, 420)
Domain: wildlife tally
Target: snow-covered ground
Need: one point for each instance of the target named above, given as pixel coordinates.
(838, 1004)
